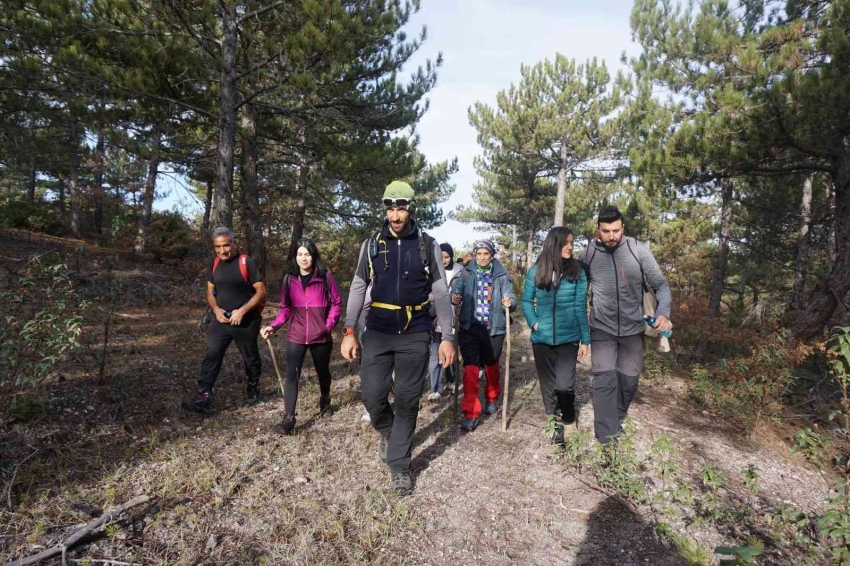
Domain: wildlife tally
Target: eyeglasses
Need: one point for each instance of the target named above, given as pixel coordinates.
(401, 203)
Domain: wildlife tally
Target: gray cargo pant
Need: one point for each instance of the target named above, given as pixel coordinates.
(617, 363)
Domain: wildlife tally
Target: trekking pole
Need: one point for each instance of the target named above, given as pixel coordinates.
(456, 362)
(507, 371)
(276, 369)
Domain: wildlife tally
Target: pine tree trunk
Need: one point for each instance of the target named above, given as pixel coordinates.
(251, 219)
(514, 250)
(719, 273)
(822, 305)
(150, 191)
(62, 196)
(299, 208)
(73, 179)
(205, 226)
(529, 245)
(222, 211)
(562, 185)
(100, 163)
(830, 235)
(31, 181)
(801, 266)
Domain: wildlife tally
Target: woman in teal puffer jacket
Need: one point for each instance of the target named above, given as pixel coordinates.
(554, 301)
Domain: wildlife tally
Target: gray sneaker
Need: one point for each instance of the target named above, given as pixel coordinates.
(383, 447)
(402, 484)
(490, 408)
(469, 425)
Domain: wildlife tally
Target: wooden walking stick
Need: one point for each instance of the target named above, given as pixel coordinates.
(276, 369)
(507, 371)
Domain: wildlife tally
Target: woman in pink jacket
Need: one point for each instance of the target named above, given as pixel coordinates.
(310, 302)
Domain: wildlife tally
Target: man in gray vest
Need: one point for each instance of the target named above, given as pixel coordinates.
(619, 266)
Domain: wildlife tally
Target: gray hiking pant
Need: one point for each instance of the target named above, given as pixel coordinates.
(617, 363)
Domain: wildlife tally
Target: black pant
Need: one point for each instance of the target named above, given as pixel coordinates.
(617, 362)
(556, 371)
(295, 354)
(478, 348)
(219, 337)
(407, 354)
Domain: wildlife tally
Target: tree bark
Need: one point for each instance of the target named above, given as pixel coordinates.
(830, 235)
(562, 185)
(222, 211)
(251, 218)
(514, 250)
(719, 272)
(208, 206)
(299, 208)
(150, 191)
(73, 178)
(801, 265)
(833, 291)
(100, 163)
(31, 181)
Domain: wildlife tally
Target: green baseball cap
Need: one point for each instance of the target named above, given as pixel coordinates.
(397, 190)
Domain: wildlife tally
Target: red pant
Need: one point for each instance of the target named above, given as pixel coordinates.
(471, 405)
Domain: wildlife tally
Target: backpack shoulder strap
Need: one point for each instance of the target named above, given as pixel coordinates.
(631, 243)
(372, 253)
(424, 241)
(243, 266)
(216, 261)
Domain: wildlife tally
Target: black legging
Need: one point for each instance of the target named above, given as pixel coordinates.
(294, 359)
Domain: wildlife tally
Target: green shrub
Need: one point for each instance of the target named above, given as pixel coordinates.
(38, 217)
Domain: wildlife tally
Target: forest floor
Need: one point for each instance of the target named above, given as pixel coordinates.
(225, 489)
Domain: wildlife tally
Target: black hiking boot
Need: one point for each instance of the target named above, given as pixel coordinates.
(490, 408)
(324, 406)
(200, 404)
(287, 425)
(383, 447)
(558, 435)
(469, 424)
(252, 394)
(402, 484)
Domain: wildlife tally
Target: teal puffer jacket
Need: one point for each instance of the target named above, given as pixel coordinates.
(560, 314)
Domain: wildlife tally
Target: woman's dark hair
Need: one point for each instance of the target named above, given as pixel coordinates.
(318, 265)
(550, 265)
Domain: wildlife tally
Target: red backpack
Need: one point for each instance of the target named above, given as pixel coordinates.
(243, 269)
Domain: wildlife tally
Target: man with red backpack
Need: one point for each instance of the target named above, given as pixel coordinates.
(236, 294)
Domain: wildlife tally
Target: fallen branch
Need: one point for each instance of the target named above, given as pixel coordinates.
(12, 481)
(80, 534)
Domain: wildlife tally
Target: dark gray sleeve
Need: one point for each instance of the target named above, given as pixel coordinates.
(440, 294)
(656, 280)
(357, 292)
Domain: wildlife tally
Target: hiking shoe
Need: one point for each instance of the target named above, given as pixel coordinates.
(558, 436)
(383, 447)
(434, 396)
(469, 424)
(402, 484)
(490, 408)
(287, 425)
(252, 395)
(200, 404)
(324, 406)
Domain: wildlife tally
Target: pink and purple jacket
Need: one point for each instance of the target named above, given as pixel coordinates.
(312, 318)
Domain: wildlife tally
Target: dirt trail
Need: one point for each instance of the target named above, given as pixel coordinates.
(228, 490)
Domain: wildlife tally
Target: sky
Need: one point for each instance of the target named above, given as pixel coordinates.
(484, 43)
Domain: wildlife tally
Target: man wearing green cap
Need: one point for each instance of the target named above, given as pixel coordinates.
(404, 266)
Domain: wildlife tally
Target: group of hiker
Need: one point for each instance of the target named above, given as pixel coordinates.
(407, 300)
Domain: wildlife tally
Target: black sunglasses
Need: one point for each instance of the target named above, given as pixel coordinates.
(401, 203)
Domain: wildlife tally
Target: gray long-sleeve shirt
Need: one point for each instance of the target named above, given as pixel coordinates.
(617, 293)
(439, 291)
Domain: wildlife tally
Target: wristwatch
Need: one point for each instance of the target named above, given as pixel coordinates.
(346, 331)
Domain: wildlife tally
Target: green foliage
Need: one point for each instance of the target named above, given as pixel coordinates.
(839, 362)
(690, 551)
(742, 555)
(750, 477)
(34, 217)
(40, 328)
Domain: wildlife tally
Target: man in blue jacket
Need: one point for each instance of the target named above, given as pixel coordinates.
(483, 289)
(619, 268)
(404, 266)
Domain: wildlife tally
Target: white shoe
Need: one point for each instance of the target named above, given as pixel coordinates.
(366, 418)
(434, 396)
